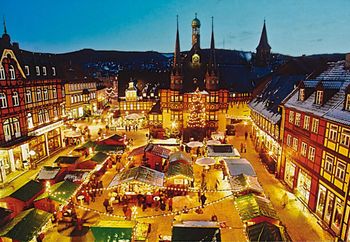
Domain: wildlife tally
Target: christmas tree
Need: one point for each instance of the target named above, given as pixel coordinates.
(197, 111)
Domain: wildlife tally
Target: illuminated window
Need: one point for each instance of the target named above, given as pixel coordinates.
(345, 137)
(15, 99)
(289, 140)
(303, 149)
(37, 70)
(295, 144)
(3, 100)
(328, 164)
(12, 72)
(306, 122)
(54, 92)
(291, 117)
(26, 69)
(347, 101)
(319, 97)
(46, 114)
(30, 121)
(38, 94)
(46, 94)
(302, 94)
(53, 71)
(333, 131)
(314, 127)
(11, 127)
(41, 116)
(44, 70)
(2, 73)
(311, 155)
(28, 97)
(297, 119)
(340, 171)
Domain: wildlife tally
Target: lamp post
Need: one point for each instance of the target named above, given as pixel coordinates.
(32, 164)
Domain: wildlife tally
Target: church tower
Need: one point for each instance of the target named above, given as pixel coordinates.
(263, 51)
(196, 25)
(211, 76)
(5, 40)
(176, 77)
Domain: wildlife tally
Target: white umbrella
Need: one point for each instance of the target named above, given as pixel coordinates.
(205, 161)
(213, 142)
(133, 116)
(179, 155)
(193, 144)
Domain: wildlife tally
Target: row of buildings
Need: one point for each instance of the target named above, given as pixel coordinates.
(301, 118)
(37, 94)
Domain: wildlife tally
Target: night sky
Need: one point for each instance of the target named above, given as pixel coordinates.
(294, 27)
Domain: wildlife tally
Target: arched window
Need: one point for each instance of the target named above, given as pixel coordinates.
(3, 100)
(15, 99)
(46, 94)
(54, 92)
(12, 72)
(38, 94)
(11, 128)
(47, 117)
(41, 116)
(72, 99)
(30, 121)
(2, 73)
(44, 70)
(55, 112)
(28, 96)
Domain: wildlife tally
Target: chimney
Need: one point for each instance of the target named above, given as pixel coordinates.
(15, 45)
(347, 61)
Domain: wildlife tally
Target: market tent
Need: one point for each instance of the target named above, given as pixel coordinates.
(205, 161)
(108, 230)
(60, 191)
(134, 116)
(267, 232)
(139, 174)
(179, 155)
(48, 173)
(180, 168)
(166, 142)
(100, 157)
(26, 226)
(213, 142)
(109, 148)
(86, 145)
(255, 209)
(223, 150)
(28, 191)
(239, 166)
(244, 183)
(196, 231)
(113, 140)
(67, 160)
(194, 144)
(151, 148)
(76, 176)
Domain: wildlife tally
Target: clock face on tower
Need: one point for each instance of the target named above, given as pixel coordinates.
(195, 59)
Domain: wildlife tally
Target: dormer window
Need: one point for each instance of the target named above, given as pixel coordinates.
(319, 97)
(44, 70)
(53, 71)
(37, 70)
(347, 102)
(2, 73)
(301, 94)
(12, 72)
(26, 69)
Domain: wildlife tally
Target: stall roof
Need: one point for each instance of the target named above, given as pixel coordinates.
(151, 148)
(222, 150)
(99, 157)
(26, 225)
(27, 191)
(48, 172)
(239, 166)
(166, 142)
(179, 155)
(139, 174)
(251, 206)
(109, 148)
(89, 144)
(67, 159)
(243, 182)
(77, 175)
(266, 232)
(196, 231)
(180, 168)
(4, 212)
(112, 140)
(60, 191)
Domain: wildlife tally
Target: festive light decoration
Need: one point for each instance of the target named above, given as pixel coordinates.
(197, 111)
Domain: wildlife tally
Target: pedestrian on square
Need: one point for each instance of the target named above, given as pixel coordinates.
(245, 147)
(106, 204)
(203, 199)
(285, 200)
(199, 195)
(246, 135)
(242, 146)
(171, 204)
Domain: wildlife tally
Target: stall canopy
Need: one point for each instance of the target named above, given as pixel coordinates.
(194, 144)
(245, 183)
(26, 225)
(86, 145)
(91, 162)
(113, 140)
(4, 215)
(100, 157)
(28, 191)
(196, 231)
(107, 230)
(179, 155)
(67, 160)
(180, 168)
(109, 148)
(166, 142)
(48, 173)
(151, 148)
(240, 166)
(255, 208)
(267, 232)
(60, 191)
(134, 116)
(76, 176)
(139, 174)
(223, 150)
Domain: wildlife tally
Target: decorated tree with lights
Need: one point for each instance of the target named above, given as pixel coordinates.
(197, 111)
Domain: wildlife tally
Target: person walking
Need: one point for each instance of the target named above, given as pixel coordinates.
(106, 204)
(285, 200)
(242, 147)
(203, 199)
(246, 135)
(171, 204)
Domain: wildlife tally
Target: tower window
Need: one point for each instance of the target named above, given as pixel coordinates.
(12, 72)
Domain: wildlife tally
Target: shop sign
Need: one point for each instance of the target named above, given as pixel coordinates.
(46, 129)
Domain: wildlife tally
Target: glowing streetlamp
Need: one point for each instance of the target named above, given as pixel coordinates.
(31, 159)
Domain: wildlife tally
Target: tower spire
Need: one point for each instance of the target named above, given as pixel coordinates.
(212, 59)
(4, 22)
(177, 43)
(263, 50)
(263, 43)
